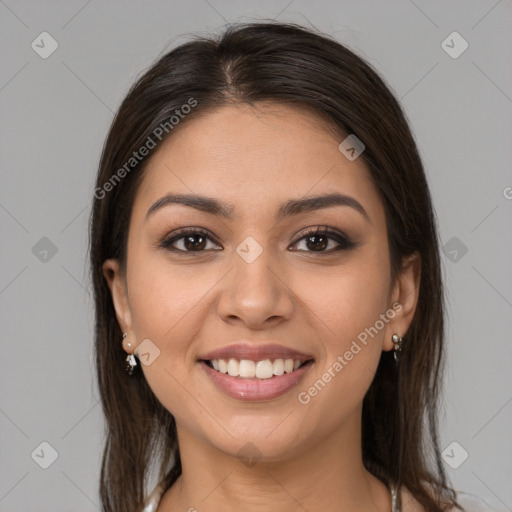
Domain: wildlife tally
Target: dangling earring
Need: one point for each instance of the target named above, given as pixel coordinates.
(397, 342)
(131, 362)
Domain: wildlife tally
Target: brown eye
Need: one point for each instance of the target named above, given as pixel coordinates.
(191, 240)
(317, 240)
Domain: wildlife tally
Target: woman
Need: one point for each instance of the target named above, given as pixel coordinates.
(263, 240)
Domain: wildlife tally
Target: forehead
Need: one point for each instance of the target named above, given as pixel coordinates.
(255, 157)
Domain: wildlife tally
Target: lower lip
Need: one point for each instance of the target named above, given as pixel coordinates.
(256, 389)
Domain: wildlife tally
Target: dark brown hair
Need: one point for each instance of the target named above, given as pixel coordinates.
(289, 65)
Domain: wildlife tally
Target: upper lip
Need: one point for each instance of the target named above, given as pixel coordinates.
(253, 352)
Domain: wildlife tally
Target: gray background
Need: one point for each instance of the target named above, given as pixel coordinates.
(55, 115)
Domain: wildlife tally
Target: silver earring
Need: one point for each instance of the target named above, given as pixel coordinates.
(131, 362)
(128, 344)
(397, 342)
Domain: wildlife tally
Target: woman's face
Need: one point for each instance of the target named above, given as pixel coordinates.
(256, 277)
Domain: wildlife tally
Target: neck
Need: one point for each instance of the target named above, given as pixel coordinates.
(326, 476)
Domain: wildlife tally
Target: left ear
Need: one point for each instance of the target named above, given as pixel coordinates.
(404, 298)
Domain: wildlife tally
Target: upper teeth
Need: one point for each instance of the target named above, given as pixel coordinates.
(261, 369)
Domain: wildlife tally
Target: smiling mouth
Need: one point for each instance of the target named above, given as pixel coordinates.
(249, 369)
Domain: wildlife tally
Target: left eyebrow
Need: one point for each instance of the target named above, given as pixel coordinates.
(296, 206)
(291, 207)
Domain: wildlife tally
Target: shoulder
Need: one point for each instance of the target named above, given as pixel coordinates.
(469, 502)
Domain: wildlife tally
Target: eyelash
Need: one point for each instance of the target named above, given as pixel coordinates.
(344, 242)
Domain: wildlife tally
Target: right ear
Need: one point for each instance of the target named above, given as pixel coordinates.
(117, 284)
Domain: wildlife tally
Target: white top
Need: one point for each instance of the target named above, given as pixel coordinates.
(468, 501)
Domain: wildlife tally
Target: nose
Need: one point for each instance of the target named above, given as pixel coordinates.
(255, 293)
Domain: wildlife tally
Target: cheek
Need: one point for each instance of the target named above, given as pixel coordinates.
(346, 300)
(162, 294)
(165, 302)
(348, 311)
(348, 304)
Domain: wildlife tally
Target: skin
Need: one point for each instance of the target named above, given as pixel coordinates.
(292, 294)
